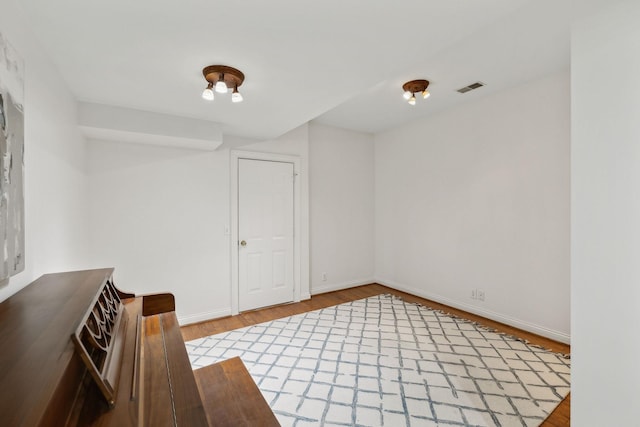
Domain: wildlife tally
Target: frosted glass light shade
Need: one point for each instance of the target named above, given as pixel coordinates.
(412, 100)
(236, 97)
(406, 95)
(221, 86)
(208, 94)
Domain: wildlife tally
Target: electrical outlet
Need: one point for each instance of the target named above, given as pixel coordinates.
(474, 294)
(324, 277)
(480, 294)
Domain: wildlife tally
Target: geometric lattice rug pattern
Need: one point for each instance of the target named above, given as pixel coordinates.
(381, 361)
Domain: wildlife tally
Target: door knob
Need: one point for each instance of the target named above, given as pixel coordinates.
(243, 243)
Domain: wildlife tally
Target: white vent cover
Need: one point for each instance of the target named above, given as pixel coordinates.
(471, 87)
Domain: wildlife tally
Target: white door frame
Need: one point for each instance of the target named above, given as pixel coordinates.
(297, 234)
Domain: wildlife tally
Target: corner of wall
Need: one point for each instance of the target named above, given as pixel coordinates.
(56, 227)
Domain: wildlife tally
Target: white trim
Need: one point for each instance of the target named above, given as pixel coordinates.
(508, 320)
(315, 290)
(235, 156)
(305, 296)
(202, 317)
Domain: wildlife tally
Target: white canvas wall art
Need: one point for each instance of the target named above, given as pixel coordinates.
(12, 258)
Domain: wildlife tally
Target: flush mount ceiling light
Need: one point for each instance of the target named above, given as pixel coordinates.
(413, 87)
(221, 78)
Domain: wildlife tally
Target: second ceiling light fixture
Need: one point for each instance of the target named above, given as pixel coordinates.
(413, 87)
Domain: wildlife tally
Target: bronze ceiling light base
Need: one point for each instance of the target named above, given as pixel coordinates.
(231, 76)
(415, 86)
(222, 78)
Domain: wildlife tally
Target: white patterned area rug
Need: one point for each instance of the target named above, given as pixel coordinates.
(382, 361)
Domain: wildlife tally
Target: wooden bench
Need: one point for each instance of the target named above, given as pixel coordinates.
(231, 397)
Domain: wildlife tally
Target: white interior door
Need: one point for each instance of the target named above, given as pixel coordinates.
(265, 233)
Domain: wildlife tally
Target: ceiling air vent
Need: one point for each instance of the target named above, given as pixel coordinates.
(472, 86)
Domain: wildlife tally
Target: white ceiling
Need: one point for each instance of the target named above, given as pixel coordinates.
(341, 62)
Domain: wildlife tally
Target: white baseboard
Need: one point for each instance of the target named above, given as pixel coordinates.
(201, 317)
(508, 320)
(305, 296)
(315, 290)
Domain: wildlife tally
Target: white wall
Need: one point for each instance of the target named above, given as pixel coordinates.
(158, 216)
(605, 180)
(478, 197)
(56, 223)
(341, 191)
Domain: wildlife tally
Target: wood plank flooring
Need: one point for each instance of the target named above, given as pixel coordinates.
(559, 418)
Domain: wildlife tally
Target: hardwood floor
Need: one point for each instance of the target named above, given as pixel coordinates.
(559, 418)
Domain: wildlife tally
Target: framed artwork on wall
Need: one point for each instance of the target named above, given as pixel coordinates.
(12, 257)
